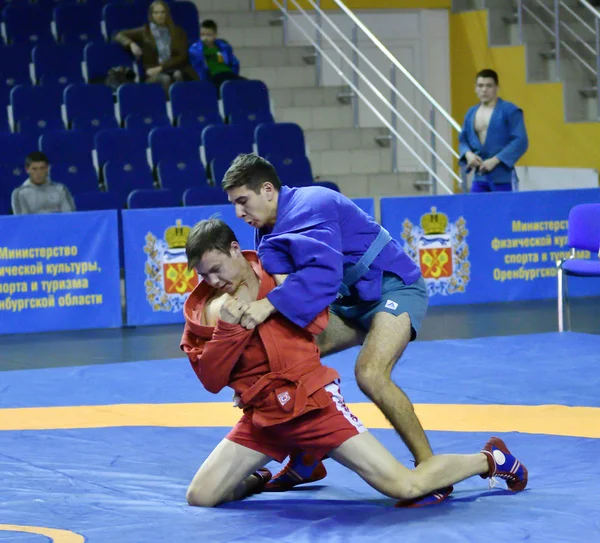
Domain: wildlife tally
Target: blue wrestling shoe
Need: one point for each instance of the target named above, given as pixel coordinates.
(302, 468)
(438, 496)
(503, 464)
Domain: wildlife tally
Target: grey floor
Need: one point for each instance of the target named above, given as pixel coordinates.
(25, 351)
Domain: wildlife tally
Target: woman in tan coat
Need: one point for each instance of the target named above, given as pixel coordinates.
(162, 46)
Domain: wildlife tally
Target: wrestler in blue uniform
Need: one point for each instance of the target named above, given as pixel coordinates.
(335, 254)
(504, 144)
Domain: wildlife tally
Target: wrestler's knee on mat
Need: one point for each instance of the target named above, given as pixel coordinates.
(199, 497)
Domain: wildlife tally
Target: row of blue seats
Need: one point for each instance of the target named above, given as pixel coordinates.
(49, 4)
(216, 142)
(85, 23)
(193, 104)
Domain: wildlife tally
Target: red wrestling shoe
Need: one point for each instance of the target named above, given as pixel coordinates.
(301, 469)
(503, 464)
(438, 496)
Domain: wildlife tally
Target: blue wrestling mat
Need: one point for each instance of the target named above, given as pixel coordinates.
(105, 453)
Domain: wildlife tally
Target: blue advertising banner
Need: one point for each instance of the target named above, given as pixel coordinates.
(59, 272)
(500, 247)
(157, 282)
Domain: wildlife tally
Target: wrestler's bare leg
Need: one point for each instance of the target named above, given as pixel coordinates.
(226, 475)
(382, 348)
(366, 456)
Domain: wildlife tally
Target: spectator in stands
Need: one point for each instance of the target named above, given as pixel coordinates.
(212, 57)
(162, 46)
(38, 194)
(493, 138)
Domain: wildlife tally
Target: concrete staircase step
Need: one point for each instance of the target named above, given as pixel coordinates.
(306, 96)
(378, 185)
(278, 77)
(213, 6)
(317, 118)
(260, 36)
(343, 139)
(262, 57)
(240, 18)
(351, 161)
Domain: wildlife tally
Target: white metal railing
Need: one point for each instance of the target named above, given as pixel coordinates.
(358, 82)
(560, 31)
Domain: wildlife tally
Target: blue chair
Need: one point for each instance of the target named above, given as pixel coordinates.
(218, 168)
(294, 171)
(14, 66)
(120, 146)
(90, 108)
(177, 144)
(120, 15)
(251, 118)
(96, 201)
(99, 58)
(54, 63)
(65, 147)
(583, 235)
(145, 100)
(37, 109)
(245, 96)
(226, 141)
(78, 23)
(195, 104)
(204, 196)
(4, 100)
(280, 139)
(152, 198)
(121, 178)
(185, 14)
(179, 176)
(79, 177)
(13, 150)
(27, 23)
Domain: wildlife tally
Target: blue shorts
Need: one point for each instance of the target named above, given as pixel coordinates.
(396, 298)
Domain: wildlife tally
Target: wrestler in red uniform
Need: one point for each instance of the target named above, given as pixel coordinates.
(290, 399)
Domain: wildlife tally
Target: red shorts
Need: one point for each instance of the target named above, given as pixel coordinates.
(318, 432)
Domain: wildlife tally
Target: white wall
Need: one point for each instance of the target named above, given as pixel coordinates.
(419, 39)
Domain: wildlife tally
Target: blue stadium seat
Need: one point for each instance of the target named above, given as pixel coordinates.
(148, 99)
(218, 167)
(294, 171)
(152, 198)
(99, 58)
(243, 96)
(78, 23)
(120, 147)
(177, 144)
(4, 101)
(5, 205)
(251, 118)
(195, 104)
(280, 139)
(37, 109)
(123, 177)
(179, 176)
(66, 147)
(185, 14)
(27, 23)
(204, 196)
(328, 185)
(79, 177)
(90, 108)
(10, 179)
(226, 141)
(13, 150)
(14, 67)
(146, 123)
(120, 15)
(56, 64)
(96, 201)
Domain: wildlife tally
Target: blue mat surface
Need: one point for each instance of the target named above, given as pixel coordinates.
(127, 485)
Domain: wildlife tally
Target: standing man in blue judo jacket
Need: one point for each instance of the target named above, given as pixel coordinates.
(493, 138)
(333, 254)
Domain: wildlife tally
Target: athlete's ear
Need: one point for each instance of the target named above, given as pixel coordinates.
(269, 190)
